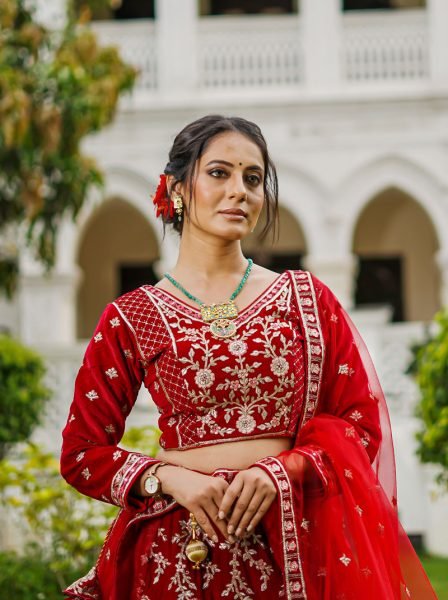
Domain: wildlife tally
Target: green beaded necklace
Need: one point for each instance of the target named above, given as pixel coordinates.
(219, 314)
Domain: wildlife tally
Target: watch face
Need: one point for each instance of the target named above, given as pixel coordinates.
(152, 485)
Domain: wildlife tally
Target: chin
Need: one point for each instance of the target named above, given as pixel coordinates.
(234, 233)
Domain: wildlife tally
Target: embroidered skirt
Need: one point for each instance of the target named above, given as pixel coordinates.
(145, 559)
(161, 569)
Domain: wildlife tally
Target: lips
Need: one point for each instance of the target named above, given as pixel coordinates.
(234, 211)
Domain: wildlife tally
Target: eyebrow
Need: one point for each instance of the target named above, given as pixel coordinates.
(229, 164)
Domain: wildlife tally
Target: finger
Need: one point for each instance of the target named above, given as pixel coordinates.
(240, 506)
(248, 515)
(262, 510)
(231, 494)
(220, 524)
(204, 523)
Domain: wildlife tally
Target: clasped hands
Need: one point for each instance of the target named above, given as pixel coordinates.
(234, 509)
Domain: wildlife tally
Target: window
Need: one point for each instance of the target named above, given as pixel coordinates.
(120, 9)
(380, 283)
(131, 277)
(134, 9)
(382, 4)
(228, 7)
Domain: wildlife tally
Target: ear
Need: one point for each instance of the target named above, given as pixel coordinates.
(178, 187)
(169, 183)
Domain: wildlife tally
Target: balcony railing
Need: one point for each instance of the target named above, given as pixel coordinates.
(385, 46)
(246, 53)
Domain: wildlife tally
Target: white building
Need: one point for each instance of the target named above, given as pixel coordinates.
(354, 104)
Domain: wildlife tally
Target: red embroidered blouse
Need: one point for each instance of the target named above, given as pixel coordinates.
(211, 390)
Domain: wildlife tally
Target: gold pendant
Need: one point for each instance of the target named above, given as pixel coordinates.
(223, 328)
(196, 550)
(225, 310)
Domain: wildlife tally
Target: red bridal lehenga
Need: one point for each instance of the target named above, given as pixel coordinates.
(296, 368)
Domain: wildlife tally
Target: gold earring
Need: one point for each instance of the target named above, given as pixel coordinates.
(178, 205)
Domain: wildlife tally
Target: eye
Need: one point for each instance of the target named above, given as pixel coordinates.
(254, 180)
(218, 173)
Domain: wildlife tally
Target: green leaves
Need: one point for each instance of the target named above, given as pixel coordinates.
(22, 392)
(66, 528)
(54, 90)
(431, 369)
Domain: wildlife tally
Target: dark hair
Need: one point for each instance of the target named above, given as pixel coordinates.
(190, 144)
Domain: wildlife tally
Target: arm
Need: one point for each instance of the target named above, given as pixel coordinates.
(106, 388)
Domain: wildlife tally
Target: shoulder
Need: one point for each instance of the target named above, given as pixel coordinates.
(139, 309)
(305, 280)
(134, 302)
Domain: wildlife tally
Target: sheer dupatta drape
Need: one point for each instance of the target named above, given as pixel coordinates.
(334, 528)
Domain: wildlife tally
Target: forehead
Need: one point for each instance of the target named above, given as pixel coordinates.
(233, 147)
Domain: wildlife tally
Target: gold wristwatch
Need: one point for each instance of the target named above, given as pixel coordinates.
(152, 484)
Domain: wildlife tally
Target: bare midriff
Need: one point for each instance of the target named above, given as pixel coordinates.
(228, 455)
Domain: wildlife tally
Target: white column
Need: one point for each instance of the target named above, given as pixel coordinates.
(47, 303)
(321, 24)
(438, 40)
(176, 27)
(337, 272)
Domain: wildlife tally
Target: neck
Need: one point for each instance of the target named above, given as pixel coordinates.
(201, 260)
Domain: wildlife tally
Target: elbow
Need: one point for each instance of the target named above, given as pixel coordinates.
(69, 463)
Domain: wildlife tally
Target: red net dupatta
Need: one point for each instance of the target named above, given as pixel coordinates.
(336, 533)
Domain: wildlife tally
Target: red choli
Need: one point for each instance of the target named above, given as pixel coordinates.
(297, 368)
(211, 390)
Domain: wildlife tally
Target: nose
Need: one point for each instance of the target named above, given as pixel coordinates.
(237, 187)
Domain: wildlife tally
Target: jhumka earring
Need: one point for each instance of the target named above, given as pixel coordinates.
(178, 205)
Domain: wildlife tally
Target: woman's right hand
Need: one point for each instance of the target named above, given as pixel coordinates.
(200, 494)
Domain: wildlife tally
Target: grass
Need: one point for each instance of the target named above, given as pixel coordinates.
(437, 571)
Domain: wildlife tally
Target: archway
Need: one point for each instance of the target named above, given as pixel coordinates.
(396, 243)
(115, 254)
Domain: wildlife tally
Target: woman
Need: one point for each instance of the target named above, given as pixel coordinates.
(275, 434)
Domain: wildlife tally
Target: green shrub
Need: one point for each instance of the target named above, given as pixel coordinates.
(22, 392)
(430, 367)
(63, 527)
(29, 577)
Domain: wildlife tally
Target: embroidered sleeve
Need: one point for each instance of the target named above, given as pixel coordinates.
(106, 388)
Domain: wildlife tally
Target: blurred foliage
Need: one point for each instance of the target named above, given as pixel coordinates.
(64, 528)
(55, 88)
(22, 392)
(430, 368)
(30, 577)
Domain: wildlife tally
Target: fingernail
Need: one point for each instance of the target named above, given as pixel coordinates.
(249, 528)
(215, 539)
(230, 529)
(238, 531)
(231, 539)
(221, 515)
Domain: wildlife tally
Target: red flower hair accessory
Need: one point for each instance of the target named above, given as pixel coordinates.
(163, 204)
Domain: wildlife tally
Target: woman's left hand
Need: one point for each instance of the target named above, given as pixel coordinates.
(247, 500)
